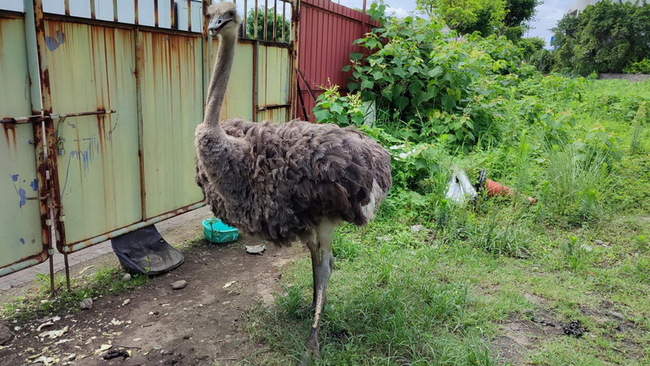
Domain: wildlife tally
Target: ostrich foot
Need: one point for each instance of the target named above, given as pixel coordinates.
(312, 353)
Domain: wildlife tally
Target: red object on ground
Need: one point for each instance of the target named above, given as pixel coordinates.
(498, 189)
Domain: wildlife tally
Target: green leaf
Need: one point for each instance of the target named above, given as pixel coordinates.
(377, 75)
(435, 72)
(322, 115)
(345, 68)
(353, 86)
(402, 102)
(448, 102)
(367, 84)
(337, 108)
(356, 56)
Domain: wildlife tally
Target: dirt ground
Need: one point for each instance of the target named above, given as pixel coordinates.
(196, 325)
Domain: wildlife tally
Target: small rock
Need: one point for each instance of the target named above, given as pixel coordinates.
(126, 277)
(416, 228)
(86, 303)
(126, 302)
(255, 249)
(5, 334)
(179, 284)
(616, 314)
(5, 286)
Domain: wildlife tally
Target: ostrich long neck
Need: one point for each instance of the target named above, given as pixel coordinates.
(219, 80)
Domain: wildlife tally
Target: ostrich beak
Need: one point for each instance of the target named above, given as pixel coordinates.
(217, 24)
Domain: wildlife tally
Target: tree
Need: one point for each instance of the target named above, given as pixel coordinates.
(605, 37)
(467, 16)
(485, 16)
(278, 25)
(518, 13)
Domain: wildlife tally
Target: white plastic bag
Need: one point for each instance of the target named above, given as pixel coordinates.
(460, 189)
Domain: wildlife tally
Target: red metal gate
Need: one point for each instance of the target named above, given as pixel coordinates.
(325, 34)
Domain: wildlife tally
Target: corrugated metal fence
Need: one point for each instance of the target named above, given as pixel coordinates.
(325, 34)
(100, 100)
(98, 108)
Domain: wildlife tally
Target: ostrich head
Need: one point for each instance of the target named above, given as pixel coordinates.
(223, 18)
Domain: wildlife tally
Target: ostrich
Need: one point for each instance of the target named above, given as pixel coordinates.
(285, 181)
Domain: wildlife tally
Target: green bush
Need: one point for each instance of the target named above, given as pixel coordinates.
(433, 85)
(641, 67)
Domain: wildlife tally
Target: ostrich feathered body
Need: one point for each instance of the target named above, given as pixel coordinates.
(278, 181)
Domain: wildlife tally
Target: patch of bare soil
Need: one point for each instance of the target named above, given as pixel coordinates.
(521, 335)
(196, 325)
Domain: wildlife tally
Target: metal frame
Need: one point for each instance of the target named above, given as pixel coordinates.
(45, 121)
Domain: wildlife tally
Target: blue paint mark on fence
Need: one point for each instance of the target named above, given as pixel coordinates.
(14, 177)
(34, 185)
(54, 42)
(23, 197)
(22, 241)
(91, 145)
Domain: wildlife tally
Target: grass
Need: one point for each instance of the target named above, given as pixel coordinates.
(445, 294)
(39, 303)
(450, 291)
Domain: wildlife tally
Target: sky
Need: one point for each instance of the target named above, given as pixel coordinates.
(548, 13)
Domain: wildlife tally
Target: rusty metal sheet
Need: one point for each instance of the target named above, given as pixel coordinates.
(172, 106)
(238, 102)
(274, 80)
(91, 68)
(21, 243)
(325, 36)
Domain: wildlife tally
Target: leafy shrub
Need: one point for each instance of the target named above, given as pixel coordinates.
(344, 110)
(435, 85)
(641, 67)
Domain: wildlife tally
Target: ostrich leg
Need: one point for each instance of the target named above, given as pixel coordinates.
(322, 262)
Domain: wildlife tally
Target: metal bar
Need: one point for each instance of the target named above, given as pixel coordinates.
(41, 103)
(254, 96)
(284, 19)
(155, 13)
(275, 19)
(272, 106)
(92, 10)
(309, 89)
(302, 103)
(293, 41)
(266, 19)
(136, 18)
(38, 118)
(172, 15)
(207, 47)
(115, 12)
(245, 18)
(67, 270)
(67, 7)
(255, 35)
(102, 238)
(23, 264)
(189, 15)
(139, 70)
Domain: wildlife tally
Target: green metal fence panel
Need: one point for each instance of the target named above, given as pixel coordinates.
(238, 102)
(21, 242)
(115, 104)
(92, 68)
(274, 81)
(172, 106)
